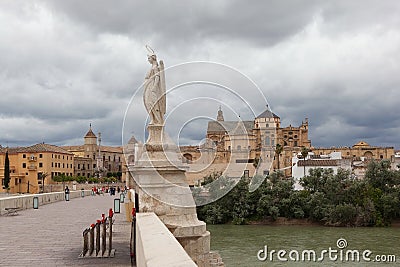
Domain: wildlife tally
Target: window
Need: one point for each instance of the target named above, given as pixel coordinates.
(24, 156)
(229, 148)
(109, 158)
(52, 164)
(295, 143)
(94, 166)
(40, 165)
(295, 136)
(63, 166)
(267, 141)
(40, 156)
(88, 166)
(239, 147)
(59, 165)
(381, 156)
(24, 165)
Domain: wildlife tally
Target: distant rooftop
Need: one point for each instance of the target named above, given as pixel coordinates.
(41, 147)
(228, 126)
(267, 114)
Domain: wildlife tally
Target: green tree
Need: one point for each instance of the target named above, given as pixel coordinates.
(278, 152)
(304, 152)
(80, 179)
(43, 177)
(7, 172)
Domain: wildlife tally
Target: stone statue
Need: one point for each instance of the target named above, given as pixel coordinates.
(154, 96)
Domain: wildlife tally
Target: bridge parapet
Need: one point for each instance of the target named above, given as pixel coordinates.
(26, 201)
(156, 245)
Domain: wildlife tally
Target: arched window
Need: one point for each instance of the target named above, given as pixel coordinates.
(267, 141)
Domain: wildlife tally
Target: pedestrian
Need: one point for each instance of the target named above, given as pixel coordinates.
(66, 193)
(118, 189)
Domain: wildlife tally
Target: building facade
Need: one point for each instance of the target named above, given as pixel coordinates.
(95, 160)
(255, 143)
(33, 167)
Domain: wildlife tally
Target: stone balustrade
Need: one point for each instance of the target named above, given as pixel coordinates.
(26, 201)
(156, 246)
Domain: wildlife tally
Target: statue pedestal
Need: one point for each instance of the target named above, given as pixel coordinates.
(159, 176)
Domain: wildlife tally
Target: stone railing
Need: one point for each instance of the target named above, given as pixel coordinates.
(156, 246)
(22, 202)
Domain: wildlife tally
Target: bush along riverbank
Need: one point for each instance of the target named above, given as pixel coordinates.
(328, 198)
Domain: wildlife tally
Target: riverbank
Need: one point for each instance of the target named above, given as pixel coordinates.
(282, 221)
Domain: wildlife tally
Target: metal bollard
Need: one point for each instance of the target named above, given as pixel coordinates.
(97, 237)
(91, 243)
(133, 237)
(103, 236)
(85, 242)
(110, 215)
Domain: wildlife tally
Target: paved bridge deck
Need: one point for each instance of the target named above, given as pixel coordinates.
(52, 234)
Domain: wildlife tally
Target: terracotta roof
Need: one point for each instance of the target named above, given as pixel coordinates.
(90, 133)
(73, 148)
(113, 149)
(41, 147)
(316, 163)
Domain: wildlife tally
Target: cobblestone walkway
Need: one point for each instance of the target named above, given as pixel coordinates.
(52, 234)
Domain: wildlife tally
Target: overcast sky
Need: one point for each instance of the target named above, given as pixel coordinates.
(65, 64)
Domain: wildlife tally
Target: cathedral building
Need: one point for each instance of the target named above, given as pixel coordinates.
(252, 146)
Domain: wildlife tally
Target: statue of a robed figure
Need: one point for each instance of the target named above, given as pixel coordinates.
(154, 96)
(159, 174)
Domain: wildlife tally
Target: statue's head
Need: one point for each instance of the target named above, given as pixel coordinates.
(152, 58)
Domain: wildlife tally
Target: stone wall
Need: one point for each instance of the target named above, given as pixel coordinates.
(26, 201)
(156, 246)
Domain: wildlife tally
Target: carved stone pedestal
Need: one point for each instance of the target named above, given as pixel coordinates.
(159, 178)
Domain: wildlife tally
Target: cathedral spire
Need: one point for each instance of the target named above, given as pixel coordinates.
(220, 116)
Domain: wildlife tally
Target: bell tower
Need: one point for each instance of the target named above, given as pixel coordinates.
(90, 143)
(220, 116)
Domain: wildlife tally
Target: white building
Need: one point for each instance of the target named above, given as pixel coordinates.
(301, 167)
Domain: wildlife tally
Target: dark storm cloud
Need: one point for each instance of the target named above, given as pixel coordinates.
(65, 64)
(170, 22)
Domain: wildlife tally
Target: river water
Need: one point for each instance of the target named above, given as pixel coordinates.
(240, 244)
